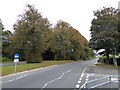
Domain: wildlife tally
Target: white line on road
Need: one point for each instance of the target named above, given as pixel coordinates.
(56, 78)
(100, 84)
(83, 72)
(8, 81)
(91, 74)
(83, 85)
(23, 76)
(14, 79)
(79, 81)
(80, 78)
(86, 80)
(77, 86)
(28, 71)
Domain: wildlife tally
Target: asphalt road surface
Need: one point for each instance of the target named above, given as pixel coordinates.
(68, 76)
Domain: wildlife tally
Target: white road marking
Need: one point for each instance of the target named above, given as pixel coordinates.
(91, 74)
(56, 78)
(100, 84)
(82, 75)
(83, 85)
(79, 81)
(8, 81)
(77, 86)
(27, 71)
(114, 79)
(22, 76)
(86, 80)
(14, 79)
(80, 78)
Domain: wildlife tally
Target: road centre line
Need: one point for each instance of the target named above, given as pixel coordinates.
(56, 79)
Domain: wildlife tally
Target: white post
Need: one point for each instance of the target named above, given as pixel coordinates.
(15, 66)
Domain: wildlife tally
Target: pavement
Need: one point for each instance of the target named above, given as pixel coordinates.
(71, 76)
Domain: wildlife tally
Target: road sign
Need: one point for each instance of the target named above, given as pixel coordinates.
(16, 60)
(16, 56)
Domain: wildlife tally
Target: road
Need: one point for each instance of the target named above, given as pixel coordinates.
(11, 63)
(71, 76)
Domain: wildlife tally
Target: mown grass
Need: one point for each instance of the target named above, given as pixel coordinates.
(23, 67)
(107, 65)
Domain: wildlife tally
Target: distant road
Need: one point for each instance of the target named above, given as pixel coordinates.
(11, 63)
(72, 75)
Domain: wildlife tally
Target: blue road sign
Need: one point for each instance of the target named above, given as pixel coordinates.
(16, 56)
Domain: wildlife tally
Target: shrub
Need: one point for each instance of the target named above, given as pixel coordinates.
(5, 59)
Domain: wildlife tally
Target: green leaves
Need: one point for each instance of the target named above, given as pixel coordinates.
(29, 32)
(104, 29)
(69, 42)
(34, 39)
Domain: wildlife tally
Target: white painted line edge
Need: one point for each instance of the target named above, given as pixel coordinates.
(80, 78)
(79, 81)
(100, 84)
(28, 71)
(56, 78)
(15, 79)
(77, 86)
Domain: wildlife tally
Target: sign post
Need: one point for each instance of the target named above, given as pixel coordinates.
(16, 60)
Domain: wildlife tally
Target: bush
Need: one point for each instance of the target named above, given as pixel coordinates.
(34, 59)
(118, 61)
(102, 59)
(5, 59)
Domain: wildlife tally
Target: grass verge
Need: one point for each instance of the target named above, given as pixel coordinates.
(23, 67)
(106, 65)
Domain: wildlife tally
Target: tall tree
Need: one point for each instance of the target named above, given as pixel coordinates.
(69, 43)
(104, 30)
(1, 30)
(28, 34)
(6, 43)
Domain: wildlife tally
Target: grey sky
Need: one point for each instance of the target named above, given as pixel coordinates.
(78, 13)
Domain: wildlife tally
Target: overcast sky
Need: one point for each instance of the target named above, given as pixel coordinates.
(78, 13)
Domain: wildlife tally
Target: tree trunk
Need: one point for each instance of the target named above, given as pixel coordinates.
(107, 54)
(114, 59)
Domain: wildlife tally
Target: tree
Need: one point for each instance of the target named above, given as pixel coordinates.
(1, 29)
(6, 43)
(29, 34)
(69, 43)
(104, 30)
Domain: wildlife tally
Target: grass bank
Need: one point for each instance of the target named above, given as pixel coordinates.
(23, 67)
